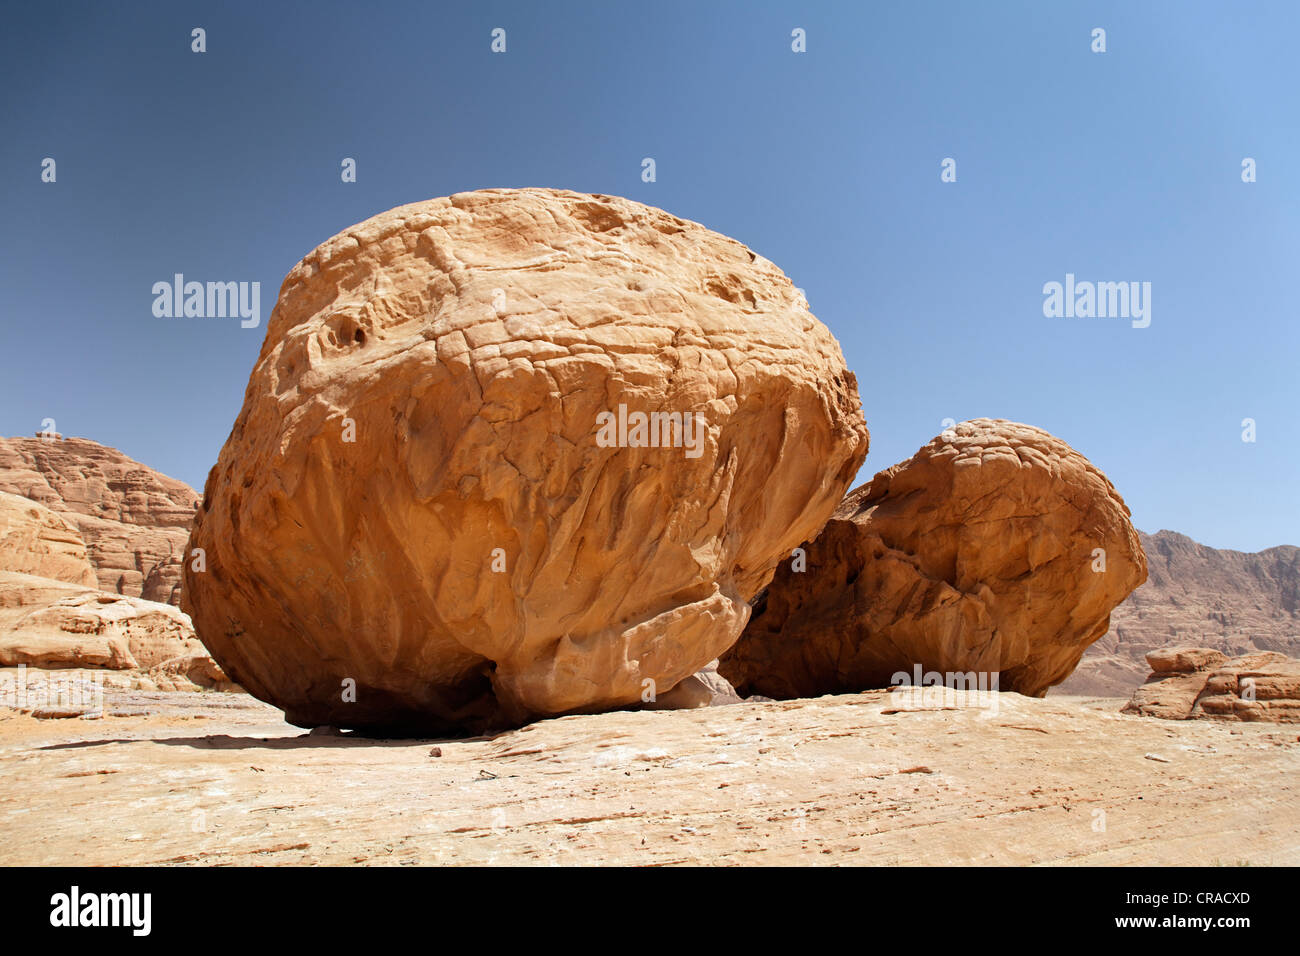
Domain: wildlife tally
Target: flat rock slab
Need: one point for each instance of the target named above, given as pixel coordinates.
(852, 779)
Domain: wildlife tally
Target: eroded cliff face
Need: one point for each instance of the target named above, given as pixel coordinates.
(34, 540)
(134, 520)
(515, 453)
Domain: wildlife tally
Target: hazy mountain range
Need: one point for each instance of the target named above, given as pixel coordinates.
(1199, 596)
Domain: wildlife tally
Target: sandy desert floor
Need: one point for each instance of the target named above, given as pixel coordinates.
(208, 778)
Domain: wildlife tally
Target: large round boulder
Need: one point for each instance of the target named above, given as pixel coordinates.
(995, 551)
(514, 453)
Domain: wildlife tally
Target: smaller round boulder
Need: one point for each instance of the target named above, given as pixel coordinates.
(996, 549)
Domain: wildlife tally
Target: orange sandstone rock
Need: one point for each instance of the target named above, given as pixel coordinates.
(1190, 682)
(982, 553)
(34, 540)
(56, 625)
(514, 453)
(134, 520)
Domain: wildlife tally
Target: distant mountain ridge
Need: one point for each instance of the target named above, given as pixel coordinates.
(1233, 601)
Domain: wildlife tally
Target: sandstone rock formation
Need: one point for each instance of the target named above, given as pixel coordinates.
(705, 688)
(53, 625)
(441, 486)
(163, 582)
(1231, 601)
(978, 554)
(1188, 682)
(34, 540)
(134, 520)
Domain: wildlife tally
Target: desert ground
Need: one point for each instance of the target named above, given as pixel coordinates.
(205, 778)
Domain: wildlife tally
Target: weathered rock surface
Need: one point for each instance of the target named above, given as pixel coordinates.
(52, 625)
(1234, 602)
(1189, 682)
(420, 496)
(163, 583)
(134, 520)
(975, 555)
(34, 540)
(705, 688)
(847, 780)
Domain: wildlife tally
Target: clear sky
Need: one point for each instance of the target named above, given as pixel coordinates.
(1116, 166)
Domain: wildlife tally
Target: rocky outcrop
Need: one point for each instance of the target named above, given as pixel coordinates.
(1190, 682)
(446, 487)
(134, 521)
(163, 583)
(704, 688)
(1234, 602)
(55, 625)
(34, 540)
(996, 549)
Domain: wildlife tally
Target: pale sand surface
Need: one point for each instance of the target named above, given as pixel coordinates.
(188, 778)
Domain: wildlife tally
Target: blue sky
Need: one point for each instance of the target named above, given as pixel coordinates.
(1122, 166)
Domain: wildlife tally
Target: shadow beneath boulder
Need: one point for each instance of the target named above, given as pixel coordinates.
(344, 740)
